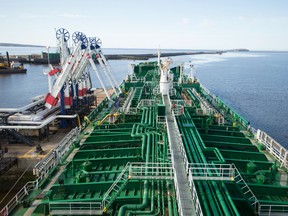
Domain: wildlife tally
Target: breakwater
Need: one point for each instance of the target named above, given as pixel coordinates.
(54, 58)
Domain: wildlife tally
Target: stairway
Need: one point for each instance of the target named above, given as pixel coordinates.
(20, 136)
(116, 188)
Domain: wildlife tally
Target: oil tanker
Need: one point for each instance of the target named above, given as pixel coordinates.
(160, 144)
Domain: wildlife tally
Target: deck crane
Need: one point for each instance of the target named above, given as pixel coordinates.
(104, 64)
(73, 80)
(63, 36)
(78, 76)
(80, 70)
(52, 97)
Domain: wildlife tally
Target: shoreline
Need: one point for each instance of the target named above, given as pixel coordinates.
(38, 59)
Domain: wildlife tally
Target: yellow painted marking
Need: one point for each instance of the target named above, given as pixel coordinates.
(31, 150)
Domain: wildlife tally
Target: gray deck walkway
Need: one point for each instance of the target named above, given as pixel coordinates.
(185, 196)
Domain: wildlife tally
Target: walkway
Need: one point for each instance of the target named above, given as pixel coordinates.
(185, 196)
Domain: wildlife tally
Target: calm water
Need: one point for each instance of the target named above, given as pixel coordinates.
(254, 84)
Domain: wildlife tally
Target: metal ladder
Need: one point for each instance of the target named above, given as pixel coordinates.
(245, 189)
(136, 170)
(116, 188)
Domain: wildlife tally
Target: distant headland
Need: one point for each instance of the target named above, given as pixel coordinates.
(19, 45)
(237, 50)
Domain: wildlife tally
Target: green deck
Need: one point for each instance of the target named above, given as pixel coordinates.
(138, 137)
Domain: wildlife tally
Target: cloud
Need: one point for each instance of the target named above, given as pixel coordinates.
(184, 20)
(206, 23)
(241, 18)
(30, 16)
(71, 15)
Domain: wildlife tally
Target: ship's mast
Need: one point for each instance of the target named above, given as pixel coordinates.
(164, 75)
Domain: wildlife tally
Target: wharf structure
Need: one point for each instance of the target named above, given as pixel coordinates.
(162, 144)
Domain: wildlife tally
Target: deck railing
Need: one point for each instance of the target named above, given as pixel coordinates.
(194, 194)
(216, 100)
(19, 197)
(206, 171)
(139, 170)
(269, 210)
(75, 208)
(54, 157)
(274, 148)
(41, 169)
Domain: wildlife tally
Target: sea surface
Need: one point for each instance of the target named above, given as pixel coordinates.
(254, 83)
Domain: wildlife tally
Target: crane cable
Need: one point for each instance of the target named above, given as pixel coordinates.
(16, 183)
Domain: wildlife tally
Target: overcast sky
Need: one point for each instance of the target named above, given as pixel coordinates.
(181, 24)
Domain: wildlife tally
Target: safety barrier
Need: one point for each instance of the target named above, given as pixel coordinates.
(208, 171)
(218, 102)
(185, 103)
(269, 210)
(156, 90)
(136, 170)
(127, 103)
(19, 197)
(205, 106)
(54, 157)
(94, 113)
(41, 169)
(75, 208)
(195, 198)
(273, 147)
(179, 203)
(139, 170)
(220, 172)
(180, 142)
(178, 106)
(147, 103)
(161, 119)
(172, 91)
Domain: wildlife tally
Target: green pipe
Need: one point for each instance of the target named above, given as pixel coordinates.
(162, 197)
(150, 116)
(146, 116)
(154, 117)
(158, 201)
(190, 158)
(143, 114)
(73, 171)
(170, 207)
(151, 205)
(207, 185)
(175, 210)
(165, 146)
(144, 144)
(144, 203)
(152, 189)
(230, 200)
(100, 172)
(220, 198)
